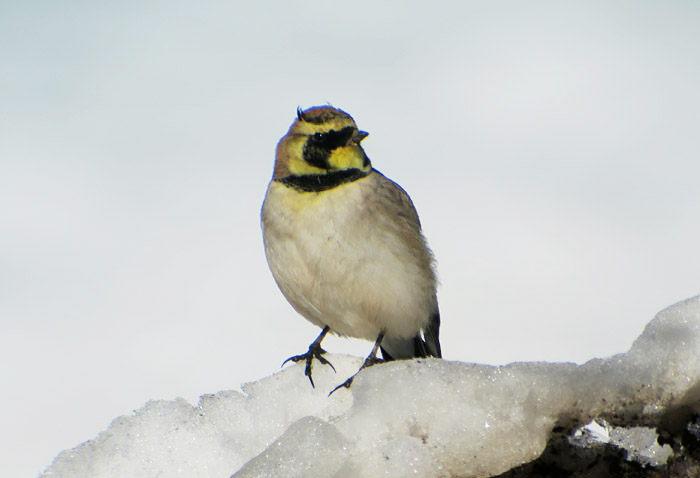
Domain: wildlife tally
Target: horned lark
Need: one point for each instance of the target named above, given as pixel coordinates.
(344, 243)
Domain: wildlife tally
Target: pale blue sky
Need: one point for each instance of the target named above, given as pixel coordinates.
(551, 149)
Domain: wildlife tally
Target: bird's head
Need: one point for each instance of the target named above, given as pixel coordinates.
(321, 140)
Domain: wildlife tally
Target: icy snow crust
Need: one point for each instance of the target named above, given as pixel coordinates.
(428, 418)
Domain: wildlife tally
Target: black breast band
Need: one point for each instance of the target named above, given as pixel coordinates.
(322, 182)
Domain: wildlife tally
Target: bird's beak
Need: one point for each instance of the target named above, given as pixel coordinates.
(359, 136)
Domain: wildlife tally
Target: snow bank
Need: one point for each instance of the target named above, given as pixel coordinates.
(428, 418)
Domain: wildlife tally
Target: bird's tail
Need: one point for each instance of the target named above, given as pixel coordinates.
(427, 345)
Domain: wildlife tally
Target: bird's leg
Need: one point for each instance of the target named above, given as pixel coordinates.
(369, 361)
(315, 351)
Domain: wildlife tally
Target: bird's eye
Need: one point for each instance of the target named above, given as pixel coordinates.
(320, 136)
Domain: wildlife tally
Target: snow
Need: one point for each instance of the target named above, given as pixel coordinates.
(639, 443)
(428, 418)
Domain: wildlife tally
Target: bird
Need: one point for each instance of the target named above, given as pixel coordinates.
(345, 246)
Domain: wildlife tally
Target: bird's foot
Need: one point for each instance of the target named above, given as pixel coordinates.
(369, 361)
(345, 384)
(315, 352)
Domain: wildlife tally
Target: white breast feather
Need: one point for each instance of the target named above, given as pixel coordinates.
(342, 261)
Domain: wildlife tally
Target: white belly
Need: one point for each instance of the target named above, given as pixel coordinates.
(340, 262)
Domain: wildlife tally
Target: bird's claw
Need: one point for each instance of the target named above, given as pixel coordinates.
(345, 384)
(367, 363)
(314, 352)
